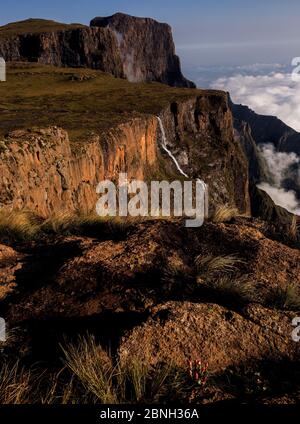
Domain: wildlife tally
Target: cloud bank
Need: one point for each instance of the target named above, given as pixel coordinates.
(272, 94)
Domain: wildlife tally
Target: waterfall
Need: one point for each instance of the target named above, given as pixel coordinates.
(199, 181)
(164, 146)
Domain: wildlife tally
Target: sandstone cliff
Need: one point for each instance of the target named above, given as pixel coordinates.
(41, 170)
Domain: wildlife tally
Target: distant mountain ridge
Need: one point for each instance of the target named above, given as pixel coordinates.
(268, 129)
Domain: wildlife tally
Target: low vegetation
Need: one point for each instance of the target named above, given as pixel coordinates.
(18, 225)
(224, 213)
(230, 291)
(210, 266)
(287, 297)
(217, 278)
(90, 375)
(25, 226)
(34, 26)
(14, 384)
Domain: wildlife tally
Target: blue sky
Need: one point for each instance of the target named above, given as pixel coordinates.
(207, 33)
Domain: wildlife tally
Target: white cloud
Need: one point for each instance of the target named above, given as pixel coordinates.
(273, 94)
(279, 164)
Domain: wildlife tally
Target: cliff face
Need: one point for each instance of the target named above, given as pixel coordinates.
(200, 132)
(81, 47)
(43, 172)
(135, 48)
(258, 168)
(146, 48)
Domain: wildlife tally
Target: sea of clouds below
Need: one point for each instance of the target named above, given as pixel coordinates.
(275, 94)
(270, 90)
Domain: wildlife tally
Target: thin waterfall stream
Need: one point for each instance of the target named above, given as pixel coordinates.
(170, 154)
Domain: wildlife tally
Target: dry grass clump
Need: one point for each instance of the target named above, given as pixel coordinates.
(231, 291)
(224, 213)
(174, 277)
(287, 297)
(14, 384)
(92, 367)
(18, 225)
(60, 223)
(209, 266)
(216, 280)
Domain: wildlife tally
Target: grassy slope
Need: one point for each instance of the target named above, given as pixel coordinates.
(36, 95)
(34, 26)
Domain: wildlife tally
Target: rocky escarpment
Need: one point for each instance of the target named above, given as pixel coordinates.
(268, 129)
(43, 171)
(135, 48)
(147, 49)
(258, 167)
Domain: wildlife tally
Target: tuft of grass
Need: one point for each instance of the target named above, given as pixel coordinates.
(287, 297)
(135, 374)
(92, 367)
(215, 279)
(54, 390)
(224, 213)
(18, 225)
(60, 223)
(209, 266)
(174, 276)
(229, 291)
(14, 384)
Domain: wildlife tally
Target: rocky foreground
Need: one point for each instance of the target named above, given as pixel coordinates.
(139, 290)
